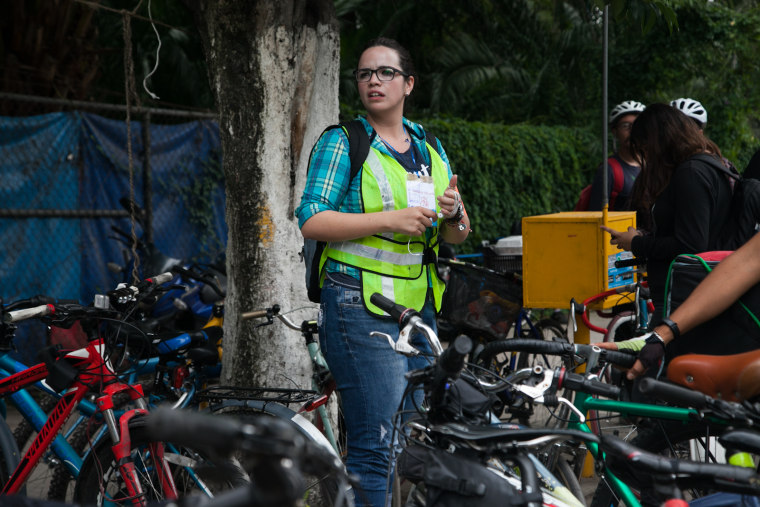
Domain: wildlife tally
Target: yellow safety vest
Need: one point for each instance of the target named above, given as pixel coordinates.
(397, 266)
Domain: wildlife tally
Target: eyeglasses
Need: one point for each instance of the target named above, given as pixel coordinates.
(625, 125)
(383, 74)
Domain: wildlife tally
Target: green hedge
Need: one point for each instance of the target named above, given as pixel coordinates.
(507, 172)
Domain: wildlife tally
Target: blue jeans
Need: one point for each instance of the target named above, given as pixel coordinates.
(370, 379)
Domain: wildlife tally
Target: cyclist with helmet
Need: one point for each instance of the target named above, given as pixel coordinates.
(619, 192)
(693, 109)
(697, 112)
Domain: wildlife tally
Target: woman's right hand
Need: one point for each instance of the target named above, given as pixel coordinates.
(413, 221)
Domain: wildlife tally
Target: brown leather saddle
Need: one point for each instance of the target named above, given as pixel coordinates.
(732, 378)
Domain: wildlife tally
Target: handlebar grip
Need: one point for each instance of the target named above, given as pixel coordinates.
(255, 314)
(734, 478)
(394, 310)
(218, 433)
(673, 393)
(578, 382)
(451, 360)
(624, 263)
(160, 279)
(29, 313)
(619, 358)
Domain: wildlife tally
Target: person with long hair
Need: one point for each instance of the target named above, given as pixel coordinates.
(382, 229)
(688, 198)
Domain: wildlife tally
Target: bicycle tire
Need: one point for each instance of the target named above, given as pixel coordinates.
(99, 469)
(61, 481)
(9, 453)
(565, 473)
(47, 479)
(24, 430)
(321, 491)
(621, 327)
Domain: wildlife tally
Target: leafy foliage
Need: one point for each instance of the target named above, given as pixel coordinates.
(539, 62)
(507, 172)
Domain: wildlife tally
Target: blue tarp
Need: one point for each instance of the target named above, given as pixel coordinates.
(79, 161)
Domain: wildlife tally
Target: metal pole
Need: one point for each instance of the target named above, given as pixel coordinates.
(606, 20)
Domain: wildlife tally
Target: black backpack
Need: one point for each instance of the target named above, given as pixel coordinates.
(744, 214)
(358, 149)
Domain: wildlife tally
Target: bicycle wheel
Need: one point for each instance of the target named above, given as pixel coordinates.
(9, 453)
(565, 473)
(320, 490)
(621, 327)
(539, 415)
(50, 478)
(100, 482)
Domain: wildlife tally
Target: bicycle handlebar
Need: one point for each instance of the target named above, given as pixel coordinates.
(732, 477)
(745, 414)
(126, 293)
(267, 437)
(399, 312)
(578, 382)
(29, 313)
(673, 393)
(619, 358)
(269, 314)
(445, 370)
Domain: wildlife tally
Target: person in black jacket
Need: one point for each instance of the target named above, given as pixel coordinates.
(689, 199)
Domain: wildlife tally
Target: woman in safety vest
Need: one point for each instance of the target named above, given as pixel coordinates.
(382, 229)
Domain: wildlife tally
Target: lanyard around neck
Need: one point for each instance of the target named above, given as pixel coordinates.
(396, 153)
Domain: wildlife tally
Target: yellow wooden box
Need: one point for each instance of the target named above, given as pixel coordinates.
(566, 255)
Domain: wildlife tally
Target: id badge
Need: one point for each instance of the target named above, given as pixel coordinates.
(420, 191)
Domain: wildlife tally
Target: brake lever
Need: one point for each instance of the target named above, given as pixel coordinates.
(537, 391)
(402, 346)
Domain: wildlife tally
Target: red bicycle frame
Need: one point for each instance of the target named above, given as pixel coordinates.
(93, 373)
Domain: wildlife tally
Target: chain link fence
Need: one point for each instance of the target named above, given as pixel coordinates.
(66, 226)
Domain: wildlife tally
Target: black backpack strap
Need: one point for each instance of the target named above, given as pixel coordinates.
(716, 164)
(358, 144)
(432, 141)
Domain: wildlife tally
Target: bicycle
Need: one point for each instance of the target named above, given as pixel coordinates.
(472, 405)
(272, 450)
(322, 382)
(63, 461)
(487, 305)
(721, 414)
(86, 371)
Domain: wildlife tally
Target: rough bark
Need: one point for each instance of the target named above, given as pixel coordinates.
(274, 71)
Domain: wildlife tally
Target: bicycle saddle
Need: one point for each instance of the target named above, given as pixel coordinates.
(734, 377)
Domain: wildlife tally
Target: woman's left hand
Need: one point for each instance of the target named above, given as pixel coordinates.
(449, 201)
(622, 239)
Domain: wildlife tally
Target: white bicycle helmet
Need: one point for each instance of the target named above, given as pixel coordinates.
(627, 107)
(691, 108)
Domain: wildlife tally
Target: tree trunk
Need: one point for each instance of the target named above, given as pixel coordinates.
(273, 68)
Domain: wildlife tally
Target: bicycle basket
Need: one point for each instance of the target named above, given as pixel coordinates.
(505, 256)
(479, 301)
